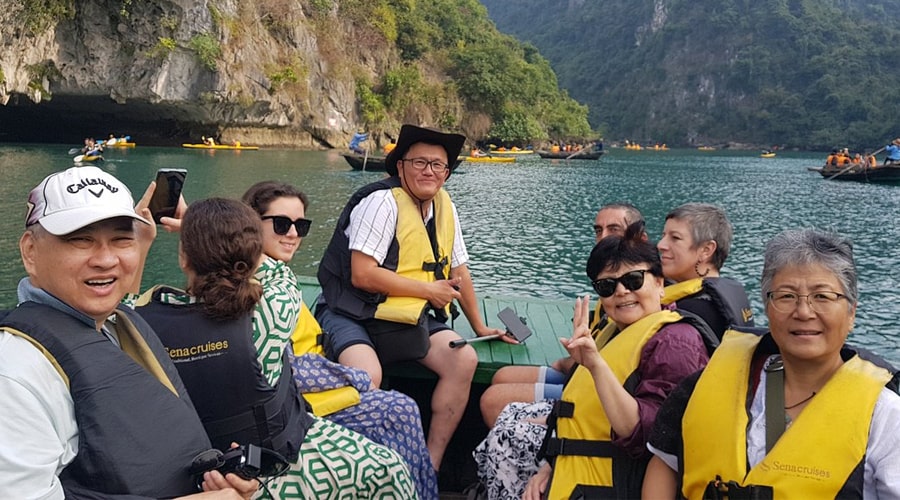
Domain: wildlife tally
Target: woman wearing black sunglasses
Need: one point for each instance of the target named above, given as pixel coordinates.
(389, 418)
(610, 402)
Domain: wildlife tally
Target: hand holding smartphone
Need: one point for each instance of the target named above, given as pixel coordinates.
(169, 183)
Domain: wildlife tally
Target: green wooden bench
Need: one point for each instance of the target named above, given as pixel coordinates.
(548, 321)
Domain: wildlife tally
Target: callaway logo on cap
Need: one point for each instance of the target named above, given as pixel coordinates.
(67, 201)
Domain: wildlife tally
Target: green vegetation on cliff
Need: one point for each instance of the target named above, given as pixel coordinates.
(458, 66)
(798, 73)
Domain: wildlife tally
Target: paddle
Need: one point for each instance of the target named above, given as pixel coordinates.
(847, 169)
(365, 159)
(74, 150)
(582, 150)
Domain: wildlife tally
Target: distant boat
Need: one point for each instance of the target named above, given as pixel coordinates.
(490, 159)
(880, 174)
(219, 146)
(705, 148)
(512, 151)
(571, 155)
(767, 154)
(120, 144)
(373, 163)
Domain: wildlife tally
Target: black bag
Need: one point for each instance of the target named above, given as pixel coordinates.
(399, 341)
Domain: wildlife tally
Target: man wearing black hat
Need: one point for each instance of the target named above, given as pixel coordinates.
(395, 263)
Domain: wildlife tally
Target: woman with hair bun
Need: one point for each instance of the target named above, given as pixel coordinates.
(234, 362)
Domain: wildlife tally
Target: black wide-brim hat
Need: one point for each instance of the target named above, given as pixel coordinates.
(411, 134)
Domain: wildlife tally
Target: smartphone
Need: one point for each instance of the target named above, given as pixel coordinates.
(515, 326)
(169, 182)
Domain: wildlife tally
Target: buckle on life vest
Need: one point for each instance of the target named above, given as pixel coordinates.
(731, 490)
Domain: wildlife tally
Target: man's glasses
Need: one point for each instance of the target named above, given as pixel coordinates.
(437, 166)
(632, 280)
(820, 302)
(282, 224)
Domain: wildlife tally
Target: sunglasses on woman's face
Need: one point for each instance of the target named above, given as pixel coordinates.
(632, 280)
(282, 224)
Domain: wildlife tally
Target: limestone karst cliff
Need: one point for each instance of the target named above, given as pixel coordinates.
(297, 73)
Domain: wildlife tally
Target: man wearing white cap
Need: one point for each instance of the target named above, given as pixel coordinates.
(92, 405)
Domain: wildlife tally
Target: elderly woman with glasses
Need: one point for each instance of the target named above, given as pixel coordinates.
(600, 426)
(794, 413)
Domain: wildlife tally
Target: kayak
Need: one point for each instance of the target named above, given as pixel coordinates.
(512, 152)
(88, 159)
(490, 159)
(120, 145)
(219, 146)
(767, 155)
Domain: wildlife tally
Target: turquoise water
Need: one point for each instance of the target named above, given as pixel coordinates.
(528, 225)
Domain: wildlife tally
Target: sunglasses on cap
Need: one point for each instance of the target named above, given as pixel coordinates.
(632, 280)
(282, 224)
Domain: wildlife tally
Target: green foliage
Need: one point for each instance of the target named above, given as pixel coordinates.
(164, 46)
(40, 72)
(123, 8)
(371, 106)
(207, 48)
(39, 15)
(169, 23)
(2, 77)
(795, 73)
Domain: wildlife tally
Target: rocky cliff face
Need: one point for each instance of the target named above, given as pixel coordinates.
(168, 71)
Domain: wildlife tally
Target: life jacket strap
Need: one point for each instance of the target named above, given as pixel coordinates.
(592, 492)
(579, 447)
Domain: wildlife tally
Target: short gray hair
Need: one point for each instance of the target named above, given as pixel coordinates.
(803, 247)
(632, 214)
(708, 223)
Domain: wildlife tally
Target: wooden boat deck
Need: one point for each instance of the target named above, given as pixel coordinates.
(548, 321)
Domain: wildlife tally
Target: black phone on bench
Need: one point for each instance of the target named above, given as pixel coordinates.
(515, 326)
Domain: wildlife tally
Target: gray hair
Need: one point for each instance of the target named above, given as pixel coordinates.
(708, 223)
(803, 247)
(632, 214)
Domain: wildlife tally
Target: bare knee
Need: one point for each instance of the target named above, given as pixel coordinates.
(363, 357)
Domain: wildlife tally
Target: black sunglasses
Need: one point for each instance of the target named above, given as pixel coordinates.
(282, 224)
(632, 280)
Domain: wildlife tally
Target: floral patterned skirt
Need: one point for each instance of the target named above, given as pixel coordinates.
(507, 458)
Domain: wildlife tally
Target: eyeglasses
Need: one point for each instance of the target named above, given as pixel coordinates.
(437, 166)
(820, 302)
(632, 280)
(282, 224)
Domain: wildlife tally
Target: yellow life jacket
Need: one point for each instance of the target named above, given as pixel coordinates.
(307, 339)
(809, 460)
(582, 426)
(416, 259)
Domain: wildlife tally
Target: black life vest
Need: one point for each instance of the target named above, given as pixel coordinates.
(138, 432)
(218, 363)
(721, 302)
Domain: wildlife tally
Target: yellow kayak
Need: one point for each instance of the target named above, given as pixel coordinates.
(512, 152)
(219, 146)
(767, 155)
(120, 145)
(491, 159)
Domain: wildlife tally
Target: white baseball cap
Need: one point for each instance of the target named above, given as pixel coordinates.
(70, 200)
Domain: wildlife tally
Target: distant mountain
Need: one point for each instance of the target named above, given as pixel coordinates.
(796, 73)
